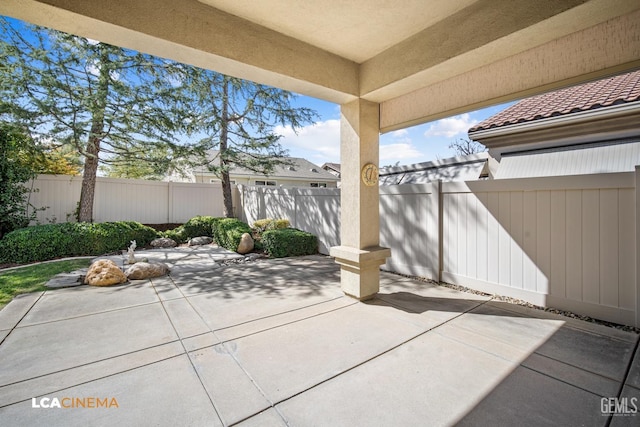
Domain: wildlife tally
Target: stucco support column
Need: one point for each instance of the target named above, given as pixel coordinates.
(359, 254)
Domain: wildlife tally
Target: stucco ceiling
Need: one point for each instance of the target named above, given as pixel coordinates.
(419, 59)
(354, 29)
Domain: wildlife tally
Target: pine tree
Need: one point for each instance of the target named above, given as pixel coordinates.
(102, 100)
(238, 119)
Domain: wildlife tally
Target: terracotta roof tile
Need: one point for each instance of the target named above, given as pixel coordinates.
(588, 96)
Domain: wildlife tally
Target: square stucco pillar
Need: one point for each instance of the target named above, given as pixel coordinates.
(359, 253)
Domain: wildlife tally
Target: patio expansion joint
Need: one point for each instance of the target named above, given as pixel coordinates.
(389, 350)
(626, 376)
(235, 359)
(89, 364)
(21, 318)
(563, 381)
(191, 362)
(285, 312)
(80, 316)
(570, 322)
(213, 331)
(536, 353)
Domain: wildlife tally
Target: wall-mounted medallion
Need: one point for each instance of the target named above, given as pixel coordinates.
(370, 175)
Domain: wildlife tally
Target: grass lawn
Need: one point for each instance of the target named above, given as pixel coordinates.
(32, 278)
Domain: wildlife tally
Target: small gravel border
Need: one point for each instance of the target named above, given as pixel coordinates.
(516, 301)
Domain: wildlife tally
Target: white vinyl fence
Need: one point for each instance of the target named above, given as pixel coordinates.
(148, 202)
(564, 242)
(315, 210)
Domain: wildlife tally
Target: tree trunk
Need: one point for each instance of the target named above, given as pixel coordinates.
(87, 191)
(227, 209)
(92, 152)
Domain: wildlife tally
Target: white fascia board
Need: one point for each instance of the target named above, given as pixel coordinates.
(550, 122)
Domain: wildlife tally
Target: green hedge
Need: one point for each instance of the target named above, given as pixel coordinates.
(271, 224)
(44, 242)
(289, 242)
(178, 234)
(199, 226)
(228, 231)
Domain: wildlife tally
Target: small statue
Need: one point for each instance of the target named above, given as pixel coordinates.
(132, 248)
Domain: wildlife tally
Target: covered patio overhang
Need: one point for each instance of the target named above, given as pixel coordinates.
(388, 64)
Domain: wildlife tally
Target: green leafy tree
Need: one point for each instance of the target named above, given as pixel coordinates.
(238, 119)
(101, 100)
(123, 166)
(16, 155)
(58, 160)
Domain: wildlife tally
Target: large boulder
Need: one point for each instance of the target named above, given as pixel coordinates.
(163, 242)
(104, 272)
(146, 270)
(246, 244)
(202, 240)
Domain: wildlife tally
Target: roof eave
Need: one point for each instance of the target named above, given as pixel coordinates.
(556, 121)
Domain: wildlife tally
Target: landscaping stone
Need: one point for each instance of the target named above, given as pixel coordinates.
(253, 256)
(104, 272)
(66, 280)
(202, 240)
(163, 242)
(146, 270)
(246, 244)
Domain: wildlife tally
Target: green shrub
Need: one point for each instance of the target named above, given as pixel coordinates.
(199, 226)
(271, 224)
(17, 157)
(262, 224)
(279, 224)
(178, 234)
(49, 241)
(228, 231)
(289, 242)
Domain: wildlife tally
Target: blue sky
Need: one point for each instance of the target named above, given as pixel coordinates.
(320, 143)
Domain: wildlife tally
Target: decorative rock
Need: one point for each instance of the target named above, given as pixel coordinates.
(202, 240)
(246, 244)
(253, 256)
(65, 280)
(163, 242)
(146, 270)
(104, 272)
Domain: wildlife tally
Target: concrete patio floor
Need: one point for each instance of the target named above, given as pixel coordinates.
(275, 342)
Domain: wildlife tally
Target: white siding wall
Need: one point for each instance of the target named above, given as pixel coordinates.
(149, 202)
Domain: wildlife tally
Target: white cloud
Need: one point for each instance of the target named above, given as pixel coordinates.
(399, 133)
(399, 152)
(319, 142)
(451, 126)
(93, 69)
